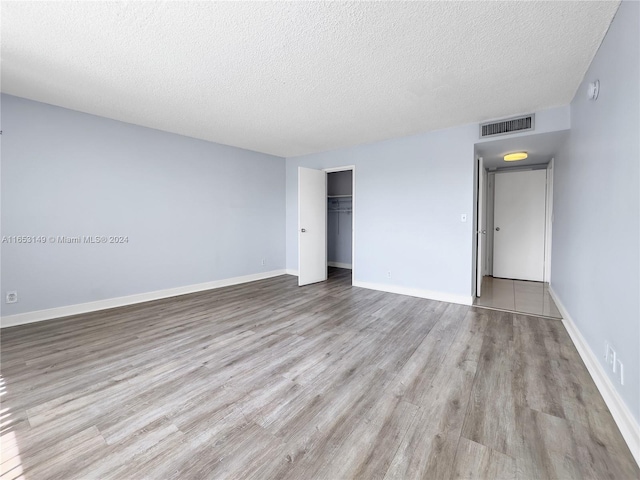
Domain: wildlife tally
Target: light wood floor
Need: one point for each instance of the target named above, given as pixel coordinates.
(269, 380)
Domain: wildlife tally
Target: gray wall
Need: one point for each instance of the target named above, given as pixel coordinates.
(596, 229)
(194, 211)
(410, 193)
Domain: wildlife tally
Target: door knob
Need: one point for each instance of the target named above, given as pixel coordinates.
(497, 229)
(303, 230)
(484, 232)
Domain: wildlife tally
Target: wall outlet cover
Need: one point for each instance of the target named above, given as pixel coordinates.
(610, 356)
(619, 371)
(12, 297)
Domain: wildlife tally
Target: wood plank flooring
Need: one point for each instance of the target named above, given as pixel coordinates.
(271, 381)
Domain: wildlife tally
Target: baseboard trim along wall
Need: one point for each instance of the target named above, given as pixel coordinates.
(339, 265)
(416, 292)
(58, 312)
(412, 292)
(625, 420)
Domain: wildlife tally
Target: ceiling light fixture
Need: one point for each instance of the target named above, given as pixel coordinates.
(514, 157)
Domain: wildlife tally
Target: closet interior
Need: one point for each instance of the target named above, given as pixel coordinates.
(339, 219)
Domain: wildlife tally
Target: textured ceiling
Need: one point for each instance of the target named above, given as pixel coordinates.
(294, 78)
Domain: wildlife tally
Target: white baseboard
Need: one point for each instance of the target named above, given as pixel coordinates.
(339, 265)
(416, 292)
(291, 271)
(51, 313)
(628, 425)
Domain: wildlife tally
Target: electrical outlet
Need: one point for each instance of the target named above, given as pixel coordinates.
(264, 261)
(12, 297)
(610, 356)
(619, 371)
(388, 274)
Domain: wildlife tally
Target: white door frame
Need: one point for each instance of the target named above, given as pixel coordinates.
(548, 223)
(548, 228)
(353, 213)
(491, 176)
(481, 225)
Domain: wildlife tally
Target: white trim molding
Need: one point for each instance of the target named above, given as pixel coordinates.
(339, 265)
(628, 425)
(291, 271)
(339, 169)
(416, 292)
(548, 223)
(58, 312)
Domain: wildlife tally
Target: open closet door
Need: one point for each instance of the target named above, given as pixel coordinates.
(312, 226)
(482, 226)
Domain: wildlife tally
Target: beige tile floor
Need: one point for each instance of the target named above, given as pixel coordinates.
(517, 296)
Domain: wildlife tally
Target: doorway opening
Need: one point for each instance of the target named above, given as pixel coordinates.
(514, 224)
(340, 223)
(515, 234)
(326, 224)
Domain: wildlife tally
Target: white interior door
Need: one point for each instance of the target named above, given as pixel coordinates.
(482, 226)
(519, 221)
(312, 226)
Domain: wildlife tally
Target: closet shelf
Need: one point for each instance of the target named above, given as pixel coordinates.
(339, 196)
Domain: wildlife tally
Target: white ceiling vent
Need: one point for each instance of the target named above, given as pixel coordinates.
(504, 127)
